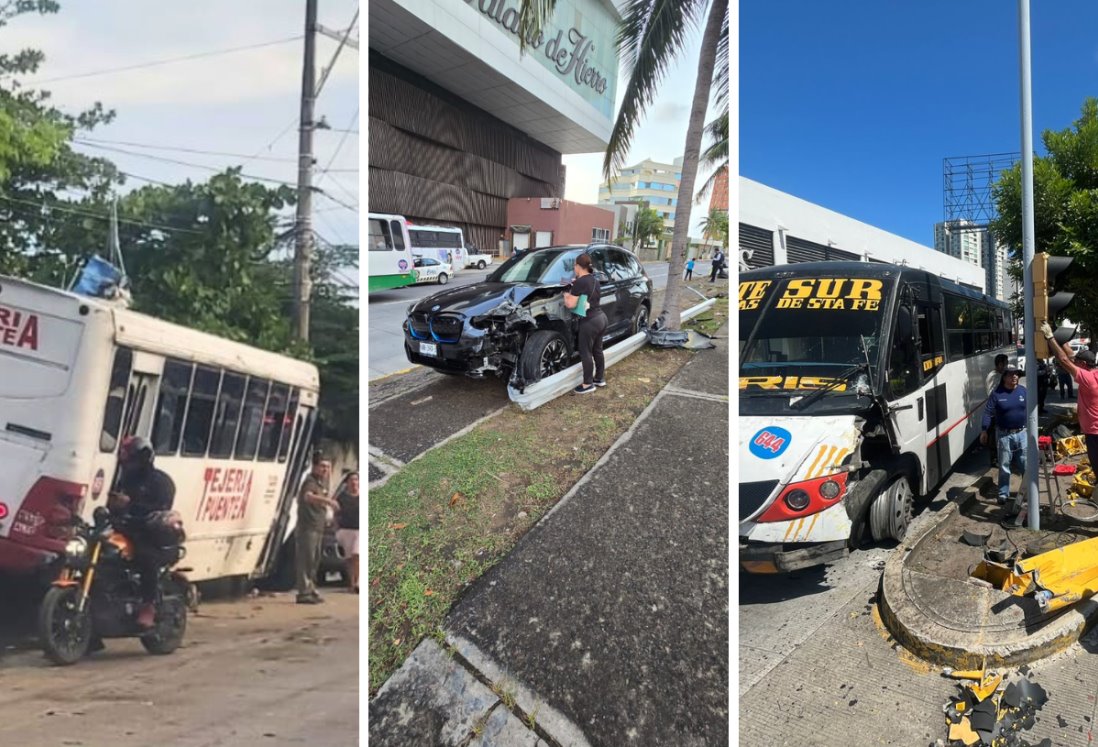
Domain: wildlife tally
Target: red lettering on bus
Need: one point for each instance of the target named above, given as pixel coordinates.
(225, 495)
(18, 330)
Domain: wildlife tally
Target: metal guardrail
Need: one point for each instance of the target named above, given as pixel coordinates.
(565, 381)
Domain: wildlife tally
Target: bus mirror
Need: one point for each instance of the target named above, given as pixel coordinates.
(905, 327)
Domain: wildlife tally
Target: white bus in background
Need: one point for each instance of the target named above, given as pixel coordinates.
(230, 424)
(389, 252)
(444, 243)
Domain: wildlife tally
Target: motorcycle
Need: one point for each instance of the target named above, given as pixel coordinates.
(97, 595)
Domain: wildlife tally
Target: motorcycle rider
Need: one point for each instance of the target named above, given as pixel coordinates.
(144, 490)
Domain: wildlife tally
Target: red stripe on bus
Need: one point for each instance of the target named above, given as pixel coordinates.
(966, 417)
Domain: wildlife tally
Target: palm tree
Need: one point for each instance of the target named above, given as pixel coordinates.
(651, 36)
(716, 155)
(715, 225)
(649, 225)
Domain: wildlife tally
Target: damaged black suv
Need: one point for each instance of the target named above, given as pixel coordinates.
(515, 323)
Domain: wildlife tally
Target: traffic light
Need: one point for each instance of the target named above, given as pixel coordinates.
(1049, 303)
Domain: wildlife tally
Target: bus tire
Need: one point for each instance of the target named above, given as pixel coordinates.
(892, 510)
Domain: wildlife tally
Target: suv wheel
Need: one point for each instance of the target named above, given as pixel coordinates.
(640, 319)
(544, 354)
(442, 278)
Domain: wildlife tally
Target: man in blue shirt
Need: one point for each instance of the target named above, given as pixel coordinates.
(1006, 407)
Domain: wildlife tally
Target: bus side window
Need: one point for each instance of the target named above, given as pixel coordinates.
(273, 421)
(380, 238)
(171, 407)
(251, 420)
(931, 345)
(227, 415)
(397, 238)
(116, 398)
(287, 421)
(196, 433)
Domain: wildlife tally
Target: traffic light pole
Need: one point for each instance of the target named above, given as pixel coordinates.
(1031, 332)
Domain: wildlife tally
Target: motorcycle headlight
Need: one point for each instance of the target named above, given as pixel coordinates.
(76, 548)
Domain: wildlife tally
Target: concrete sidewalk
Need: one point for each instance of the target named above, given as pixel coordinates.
(608, 624)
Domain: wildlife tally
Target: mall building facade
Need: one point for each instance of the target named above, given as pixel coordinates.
(460, 122)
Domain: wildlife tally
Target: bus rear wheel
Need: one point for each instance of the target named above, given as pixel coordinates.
(892, 510)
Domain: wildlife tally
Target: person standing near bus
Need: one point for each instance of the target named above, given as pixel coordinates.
(1006, 407)
(347, 533)
(583, 299)
(993, 380)
(1081, 368)
(312, 515)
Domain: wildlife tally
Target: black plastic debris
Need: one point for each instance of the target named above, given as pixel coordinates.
(689, 339)
(1000, 718)
(1033, 692)
(1012, 696)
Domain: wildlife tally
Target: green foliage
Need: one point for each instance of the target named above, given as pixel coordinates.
(1065, 207)
(715, 225)
(649, 226)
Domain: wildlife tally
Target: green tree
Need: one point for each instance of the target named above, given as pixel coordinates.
(647, 227)
(38, 166)
(651, 37)
(715, 225)
(716, 155)
(1065, 206)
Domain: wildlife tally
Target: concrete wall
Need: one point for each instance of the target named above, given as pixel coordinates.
(571, 223)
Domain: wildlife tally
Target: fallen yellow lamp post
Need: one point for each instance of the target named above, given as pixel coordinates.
(1056, 579)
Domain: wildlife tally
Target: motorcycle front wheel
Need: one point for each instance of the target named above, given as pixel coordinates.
(64, 630)
(170, 624)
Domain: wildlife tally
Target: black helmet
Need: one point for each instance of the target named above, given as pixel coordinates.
(135, 450)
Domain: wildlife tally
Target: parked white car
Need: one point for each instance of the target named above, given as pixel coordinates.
(430, 270)
(479, 261)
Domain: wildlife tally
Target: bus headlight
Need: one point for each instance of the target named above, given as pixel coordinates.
(830, 489)
(797, 500)
(76, 548)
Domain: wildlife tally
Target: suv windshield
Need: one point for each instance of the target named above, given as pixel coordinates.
(799, 333)
(543, 266)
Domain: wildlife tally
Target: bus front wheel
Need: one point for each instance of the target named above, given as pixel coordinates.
(891, 512)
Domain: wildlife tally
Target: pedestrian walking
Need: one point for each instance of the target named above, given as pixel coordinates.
(689, 269)
(993, 380)
(312, 515)
(347, 533)
(716, 265)
(1063, 378)
(1081, 368)
(583, 299)
(1006, 407)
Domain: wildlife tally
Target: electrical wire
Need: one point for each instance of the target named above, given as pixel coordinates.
(168, 61)
(336, 200)
(216, 169)
(95, 142)
(91, 214)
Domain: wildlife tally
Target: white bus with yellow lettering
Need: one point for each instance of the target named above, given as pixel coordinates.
(230, 424)
(861, 384)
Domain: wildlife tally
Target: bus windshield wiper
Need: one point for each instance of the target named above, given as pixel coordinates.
(830, 386)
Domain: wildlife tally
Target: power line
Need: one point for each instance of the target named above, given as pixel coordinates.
(279, 136)
(150, 146)
(339, 146)
(152, 157)
(140, 66)
(336, 200)
(91, 214)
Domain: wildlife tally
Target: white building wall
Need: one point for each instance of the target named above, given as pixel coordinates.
(787, 215)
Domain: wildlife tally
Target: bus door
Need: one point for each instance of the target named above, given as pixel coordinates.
(130, 400)
(904, 391)
(299, 453)
(931, 343)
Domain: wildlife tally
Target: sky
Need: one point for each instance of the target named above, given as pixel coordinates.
(661, 135)
(854, 105)
(243, 103)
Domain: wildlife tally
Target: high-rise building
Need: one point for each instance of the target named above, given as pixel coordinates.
(971, 242)
(648, 181)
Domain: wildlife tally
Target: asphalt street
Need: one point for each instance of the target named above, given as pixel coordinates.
(387, 310)
(255, 671)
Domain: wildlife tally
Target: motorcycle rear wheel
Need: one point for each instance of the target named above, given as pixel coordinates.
(64, 630)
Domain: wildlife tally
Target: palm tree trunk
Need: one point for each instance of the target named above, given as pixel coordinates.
(680, 242)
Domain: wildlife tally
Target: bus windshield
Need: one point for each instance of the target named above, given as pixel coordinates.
(797, 334)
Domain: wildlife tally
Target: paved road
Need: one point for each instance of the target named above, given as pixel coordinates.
(260, 671)
(387, 310)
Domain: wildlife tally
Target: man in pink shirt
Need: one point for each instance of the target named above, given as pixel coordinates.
(1082, 369)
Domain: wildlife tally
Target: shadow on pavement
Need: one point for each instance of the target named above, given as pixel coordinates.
(759, 588)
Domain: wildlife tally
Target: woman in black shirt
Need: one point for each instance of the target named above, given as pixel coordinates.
(583, 299)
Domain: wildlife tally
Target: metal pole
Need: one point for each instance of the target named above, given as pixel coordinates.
(303, 227)
(1032, 455)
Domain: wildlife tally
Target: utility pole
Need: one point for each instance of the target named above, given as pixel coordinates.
(1029, 484)
(303, 227)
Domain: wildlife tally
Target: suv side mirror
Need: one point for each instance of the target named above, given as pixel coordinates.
(602, 277)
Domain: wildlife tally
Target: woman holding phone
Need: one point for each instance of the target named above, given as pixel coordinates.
(583, 299)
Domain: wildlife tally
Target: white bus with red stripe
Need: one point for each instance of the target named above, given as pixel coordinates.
(861, 385)
(231, 425)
